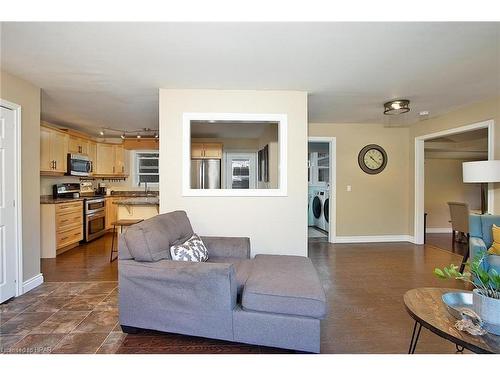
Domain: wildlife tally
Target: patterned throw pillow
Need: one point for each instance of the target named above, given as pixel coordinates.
(193, 250)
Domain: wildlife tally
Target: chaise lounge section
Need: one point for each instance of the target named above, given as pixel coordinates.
(271, 300)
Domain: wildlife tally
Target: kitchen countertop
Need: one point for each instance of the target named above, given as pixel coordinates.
(48, 199)
(140, 201)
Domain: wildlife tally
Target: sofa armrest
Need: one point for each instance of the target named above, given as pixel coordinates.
(476, 244)
(190, 287)
(227, 247)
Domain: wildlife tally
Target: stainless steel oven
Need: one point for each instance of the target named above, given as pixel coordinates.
(79, 165)
(95, 218)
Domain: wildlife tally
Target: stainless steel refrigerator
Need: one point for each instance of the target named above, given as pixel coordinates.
(205, 174)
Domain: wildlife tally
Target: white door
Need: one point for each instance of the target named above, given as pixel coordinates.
(8, 243)
(241, 170)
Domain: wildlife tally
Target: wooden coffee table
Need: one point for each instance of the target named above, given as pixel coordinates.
(426, 307)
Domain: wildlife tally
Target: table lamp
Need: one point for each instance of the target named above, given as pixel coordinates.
(481, 172)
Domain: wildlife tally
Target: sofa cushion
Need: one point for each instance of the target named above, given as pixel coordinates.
(193, 250)
(242, 268)
(284, 284)
(177, 226)
(487, 222)
(148, 241)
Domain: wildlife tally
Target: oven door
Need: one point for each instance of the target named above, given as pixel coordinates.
(95, 225)
(79, 167)
(94, 205)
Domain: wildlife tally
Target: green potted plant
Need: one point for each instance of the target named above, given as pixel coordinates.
(486, 292)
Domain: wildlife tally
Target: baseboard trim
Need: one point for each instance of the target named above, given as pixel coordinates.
(32, 283)
(368, 239)
(438, 230)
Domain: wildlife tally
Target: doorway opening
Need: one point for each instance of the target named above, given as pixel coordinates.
(463, 132)
(321, 182)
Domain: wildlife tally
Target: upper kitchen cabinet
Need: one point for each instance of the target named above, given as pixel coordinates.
(105, 159)
(53, 151)
(206, 150)
(110, 160)
(119, 159)
(77, 145)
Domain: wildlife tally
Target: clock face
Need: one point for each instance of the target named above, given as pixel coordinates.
(372, 159)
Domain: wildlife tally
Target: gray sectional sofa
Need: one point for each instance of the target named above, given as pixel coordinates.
(270, 300)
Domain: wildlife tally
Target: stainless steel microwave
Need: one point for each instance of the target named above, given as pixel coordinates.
(79, 165)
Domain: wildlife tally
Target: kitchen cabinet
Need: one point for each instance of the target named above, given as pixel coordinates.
(119, 159)
(112, 211)
(61, 227)
(206, 150)
(53, 151)
(92, 153)
(78, 145)
(105, 159)
(110, 160)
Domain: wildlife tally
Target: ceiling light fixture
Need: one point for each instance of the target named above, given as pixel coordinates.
(122, 136)
(138, 136)
(396, 107)
(101, 133)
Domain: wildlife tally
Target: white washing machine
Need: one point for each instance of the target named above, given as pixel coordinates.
(326, 210)
(318, 204)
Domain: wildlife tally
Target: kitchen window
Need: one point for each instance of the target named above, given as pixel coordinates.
(146, 168)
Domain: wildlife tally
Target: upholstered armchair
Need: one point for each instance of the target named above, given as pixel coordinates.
(481, 238)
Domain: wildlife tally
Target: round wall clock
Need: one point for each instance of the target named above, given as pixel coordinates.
(372, 159)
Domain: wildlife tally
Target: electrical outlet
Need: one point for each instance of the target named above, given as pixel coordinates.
(349, 187)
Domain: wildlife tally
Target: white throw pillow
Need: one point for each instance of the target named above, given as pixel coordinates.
(193, 250)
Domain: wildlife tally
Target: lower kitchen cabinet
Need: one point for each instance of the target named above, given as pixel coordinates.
(61, 227)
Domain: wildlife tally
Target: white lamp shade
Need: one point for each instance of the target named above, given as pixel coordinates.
(481, 171)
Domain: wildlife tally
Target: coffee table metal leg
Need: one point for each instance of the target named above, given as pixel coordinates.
(414, 338)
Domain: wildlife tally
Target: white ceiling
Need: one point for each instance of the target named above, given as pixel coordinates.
(108, 74)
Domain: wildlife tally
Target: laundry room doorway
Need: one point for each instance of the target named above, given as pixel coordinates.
(321, 189)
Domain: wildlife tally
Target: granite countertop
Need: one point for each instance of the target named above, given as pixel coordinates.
(141, 201)
(48, 199)
(134, 193)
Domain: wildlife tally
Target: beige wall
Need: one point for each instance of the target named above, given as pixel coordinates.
(486, 110)
(377, 204)
(16, 90)
(443, 183)
(274, 224)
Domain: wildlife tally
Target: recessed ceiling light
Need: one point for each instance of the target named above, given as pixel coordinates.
(211, 121)
(396, 107)
(101, 133)
(423, 113)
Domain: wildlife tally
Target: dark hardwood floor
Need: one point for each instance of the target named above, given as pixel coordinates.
(364, 284)
(87, 262)
(444, 241)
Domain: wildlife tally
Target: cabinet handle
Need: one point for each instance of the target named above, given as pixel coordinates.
(55, 164)
(123, 168)
(113, 169)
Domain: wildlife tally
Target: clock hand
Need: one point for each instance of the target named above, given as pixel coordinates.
(372, 158)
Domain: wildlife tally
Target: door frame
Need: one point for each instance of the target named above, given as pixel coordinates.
(18, 195)
(332, 223)
(418, 220)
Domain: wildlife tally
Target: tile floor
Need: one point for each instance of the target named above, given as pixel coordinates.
(82, 318)
(62, 317)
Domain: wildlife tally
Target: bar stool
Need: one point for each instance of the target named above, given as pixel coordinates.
(120, 223)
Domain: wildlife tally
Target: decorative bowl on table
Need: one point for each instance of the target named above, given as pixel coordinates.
(456, 302)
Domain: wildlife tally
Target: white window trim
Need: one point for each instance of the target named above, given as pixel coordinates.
(135, 166)
(282, 119)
